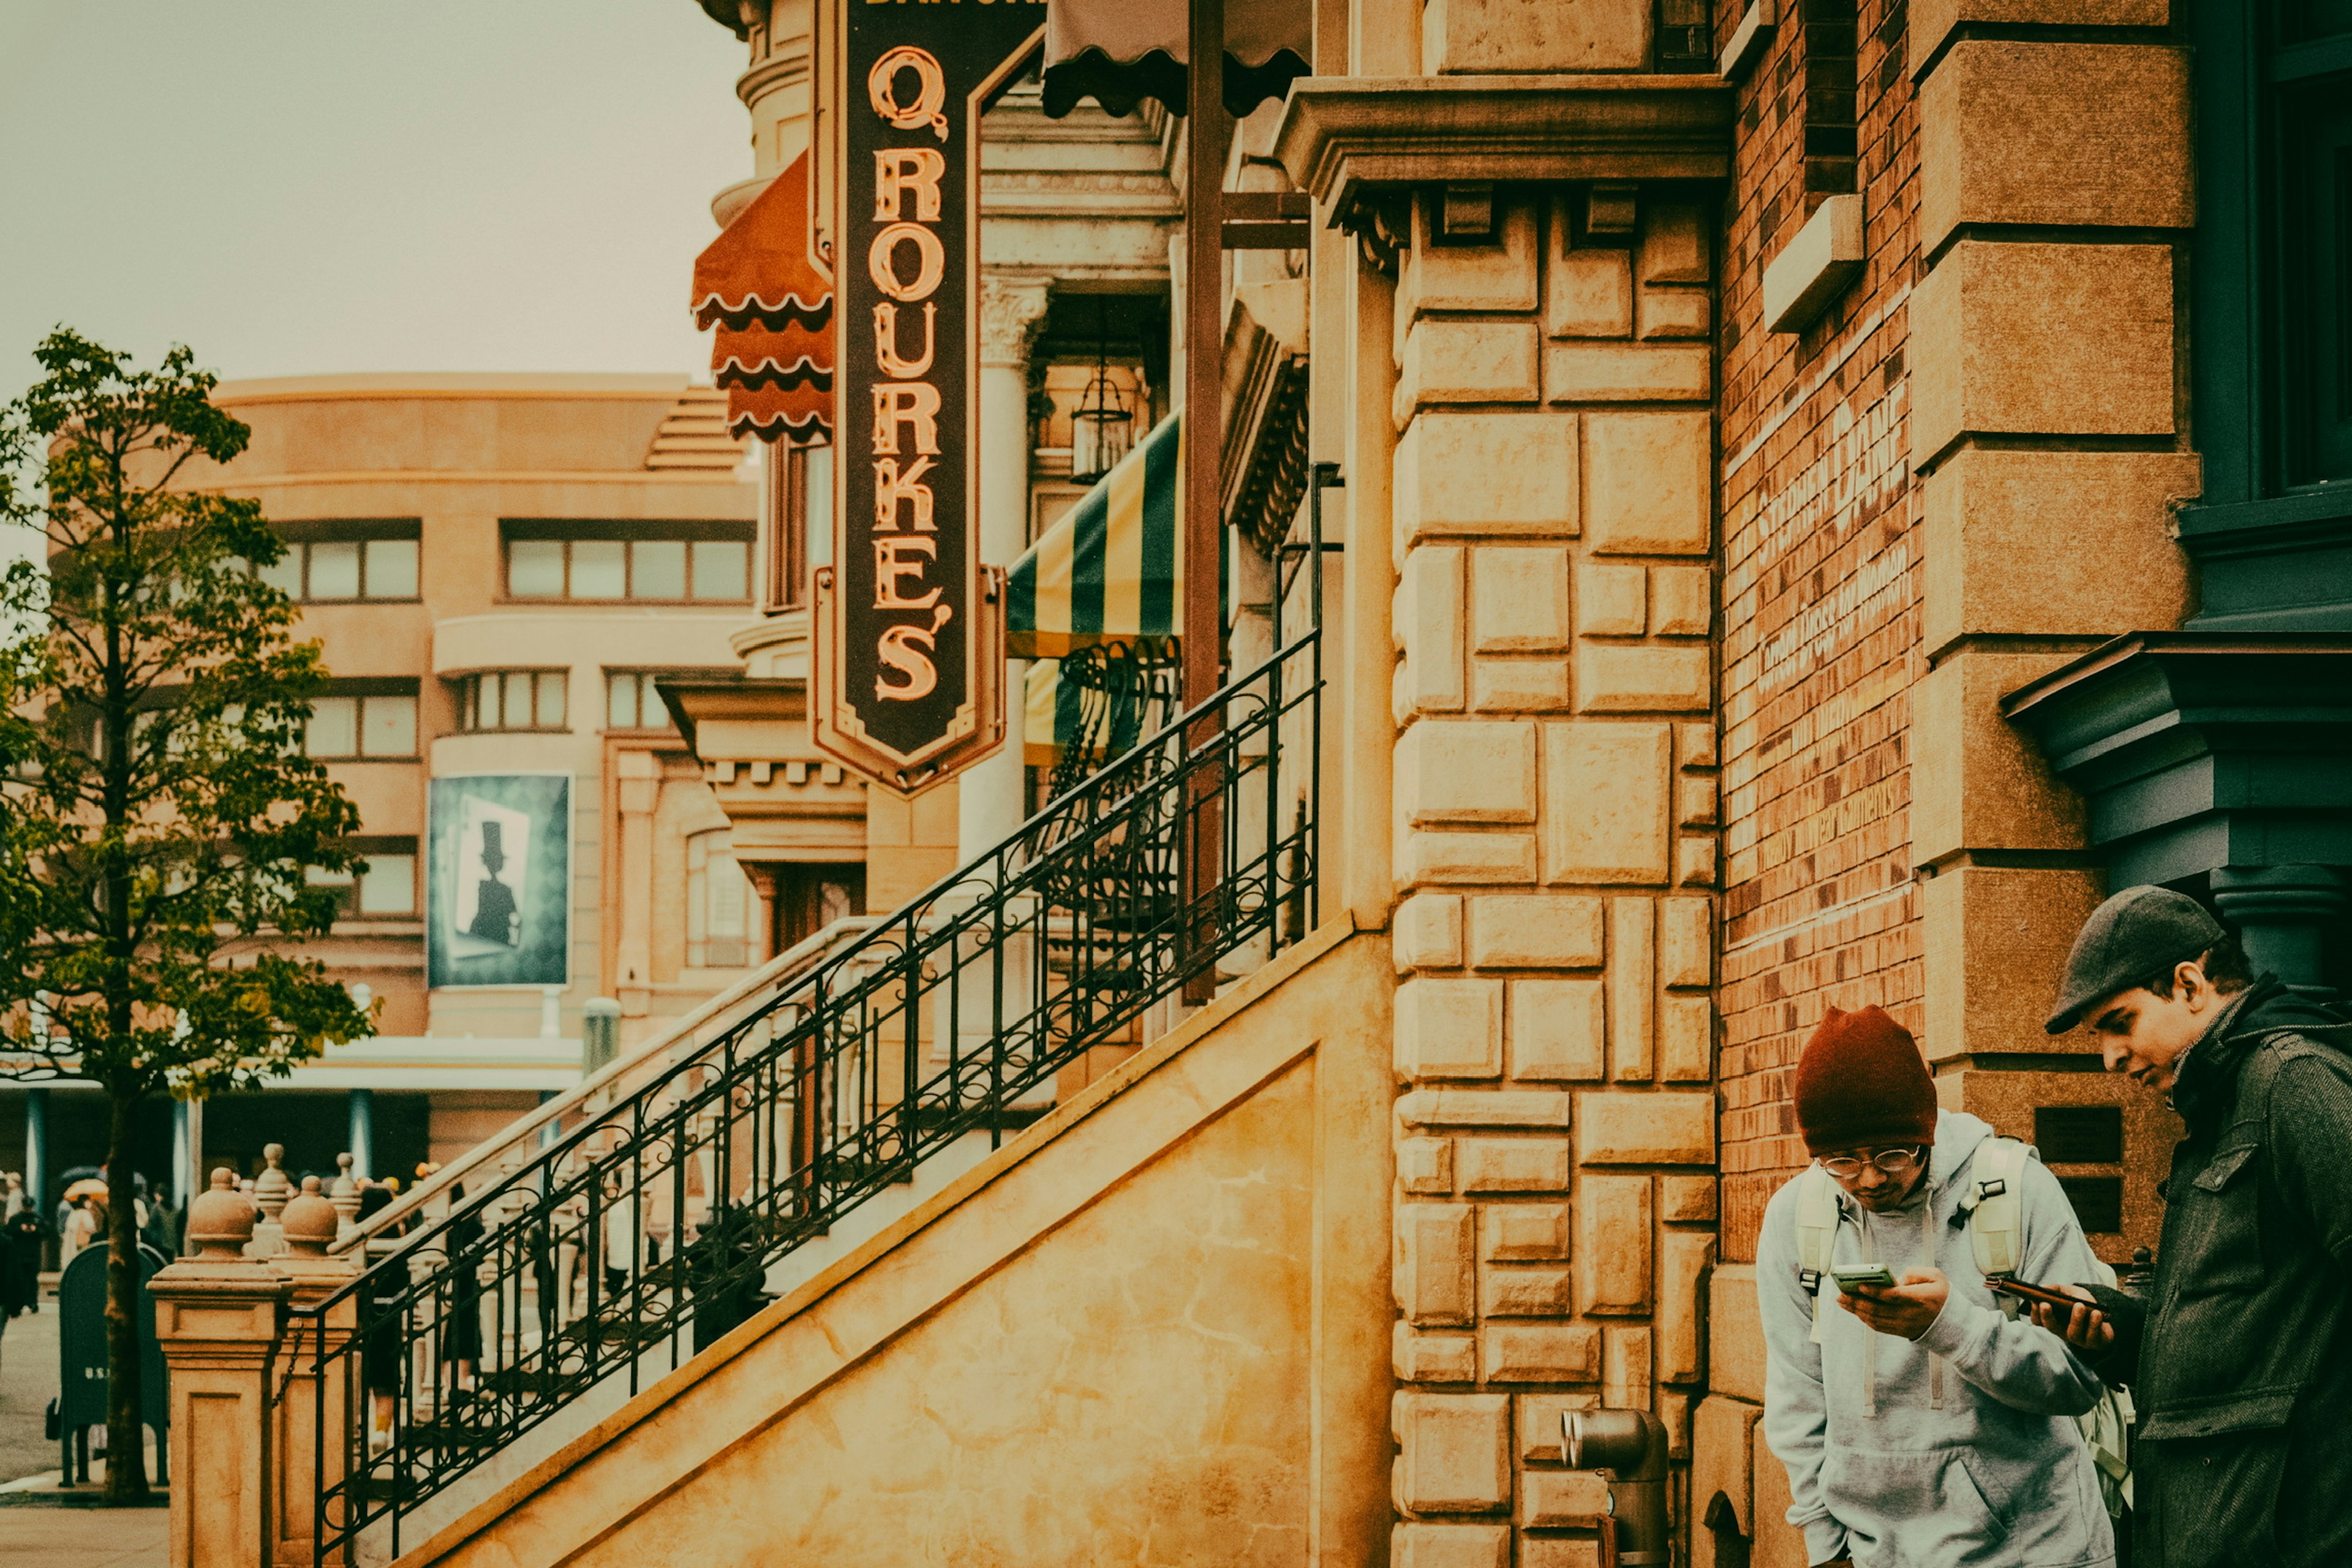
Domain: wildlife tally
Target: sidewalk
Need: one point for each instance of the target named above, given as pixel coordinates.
(52, 1537)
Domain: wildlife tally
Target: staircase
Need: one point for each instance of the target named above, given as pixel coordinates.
(632, 1224)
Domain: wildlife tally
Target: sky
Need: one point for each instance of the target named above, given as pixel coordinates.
(297, 187)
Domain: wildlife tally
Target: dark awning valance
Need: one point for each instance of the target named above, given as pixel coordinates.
(1120, 52)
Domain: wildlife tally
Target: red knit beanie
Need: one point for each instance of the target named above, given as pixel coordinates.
(1862, 1082)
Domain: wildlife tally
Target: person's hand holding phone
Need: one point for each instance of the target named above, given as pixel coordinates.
(2083, 1327)
(1907, 1310)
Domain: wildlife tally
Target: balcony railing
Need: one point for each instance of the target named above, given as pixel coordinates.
(613, 1237)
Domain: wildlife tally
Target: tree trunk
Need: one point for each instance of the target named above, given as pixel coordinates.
(126, 1445)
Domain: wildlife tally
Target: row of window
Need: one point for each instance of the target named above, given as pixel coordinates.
(672, 570)
(499, 699)
(598, 561)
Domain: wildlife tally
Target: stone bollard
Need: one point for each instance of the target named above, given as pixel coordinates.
(271, 1190)
(345, 1196)
(305, 1466)
(217, 1317)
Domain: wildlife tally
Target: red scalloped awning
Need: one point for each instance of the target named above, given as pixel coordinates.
(773, 310)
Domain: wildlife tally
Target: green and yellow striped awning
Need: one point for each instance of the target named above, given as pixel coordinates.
(1111, 570)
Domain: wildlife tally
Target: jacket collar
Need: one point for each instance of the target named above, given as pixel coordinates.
(2208, 1083)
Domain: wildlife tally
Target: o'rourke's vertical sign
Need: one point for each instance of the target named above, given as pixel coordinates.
(909, 659)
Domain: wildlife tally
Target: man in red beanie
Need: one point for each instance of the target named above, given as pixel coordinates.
(1922, 1424)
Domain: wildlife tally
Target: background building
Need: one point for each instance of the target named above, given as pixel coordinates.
(499, 571)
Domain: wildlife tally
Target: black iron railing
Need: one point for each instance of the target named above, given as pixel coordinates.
(645, 1223)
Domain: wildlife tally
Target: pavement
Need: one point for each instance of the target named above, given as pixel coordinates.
(42, 1526)
(83, 1537)
(28, 1381)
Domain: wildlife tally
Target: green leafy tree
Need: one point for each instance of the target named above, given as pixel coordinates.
(159, 823)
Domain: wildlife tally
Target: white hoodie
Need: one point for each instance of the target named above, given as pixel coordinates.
(1953, 1451)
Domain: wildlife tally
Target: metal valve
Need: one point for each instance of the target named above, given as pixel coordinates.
(1628, 1446)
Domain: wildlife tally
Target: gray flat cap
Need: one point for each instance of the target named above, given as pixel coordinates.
(2130, 939)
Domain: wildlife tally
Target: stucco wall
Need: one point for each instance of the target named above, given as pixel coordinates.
(1145, 1333)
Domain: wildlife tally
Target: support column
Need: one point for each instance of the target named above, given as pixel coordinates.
(2283, 914)
(989, 801)
(37, 1151)
(217, 1317)
(361, 1140)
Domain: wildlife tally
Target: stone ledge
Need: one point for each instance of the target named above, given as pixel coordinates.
(1341, 136)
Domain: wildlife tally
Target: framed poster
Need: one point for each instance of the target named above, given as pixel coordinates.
(497, 886)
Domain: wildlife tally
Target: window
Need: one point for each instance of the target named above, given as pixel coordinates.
(632, 702)
(2271, 312)
(661, 563)
(385, 886)
(718, 904)
(373, 724)
(512, 699)
(329, 562)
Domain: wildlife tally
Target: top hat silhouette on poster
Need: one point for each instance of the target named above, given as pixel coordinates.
(493, 853)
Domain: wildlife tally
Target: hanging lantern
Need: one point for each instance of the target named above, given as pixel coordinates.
(1103, 428)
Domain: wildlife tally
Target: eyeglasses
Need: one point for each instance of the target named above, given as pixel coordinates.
(1893, 1162)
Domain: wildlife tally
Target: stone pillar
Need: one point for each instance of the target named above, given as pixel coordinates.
(216, 1318)
(1555, 810)
(2283, 914)
(305, 1465)
(990, 804)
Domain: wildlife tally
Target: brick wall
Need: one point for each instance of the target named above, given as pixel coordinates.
(1821, 569)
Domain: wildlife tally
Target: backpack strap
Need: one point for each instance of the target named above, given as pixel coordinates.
(1817, 1223)
(1996, 1206)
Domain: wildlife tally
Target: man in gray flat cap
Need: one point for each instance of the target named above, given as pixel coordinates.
(2239, 1358)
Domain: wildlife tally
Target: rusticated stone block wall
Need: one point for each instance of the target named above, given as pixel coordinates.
(1555, 858)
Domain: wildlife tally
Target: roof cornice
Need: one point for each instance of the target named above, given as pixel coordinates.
(1342, 136)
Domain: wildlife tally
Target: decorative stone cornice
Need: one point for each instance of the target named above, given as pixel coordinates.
(1343, 137)
(2195, 751)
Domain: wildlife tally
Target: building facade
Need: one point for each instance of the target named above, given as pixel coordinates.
(499, 571)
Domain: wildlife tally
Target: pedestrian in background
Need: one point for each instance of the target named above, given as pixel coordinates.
(81, 1228)
(2239, 1359)
(1920, 1424)
(21, 1237)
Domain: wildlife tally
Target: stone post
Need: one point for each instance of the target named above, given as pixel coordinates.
(345, 1197)
(271, 1190)
(305, 1465)
(216, 1316)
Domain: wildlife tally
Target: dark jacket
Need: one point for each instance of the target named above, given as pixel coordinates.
(2241, 1365)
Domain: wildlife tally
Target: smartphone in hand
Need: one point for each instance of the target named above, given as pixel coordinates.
(2045, 1294)
(1861, 1274)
